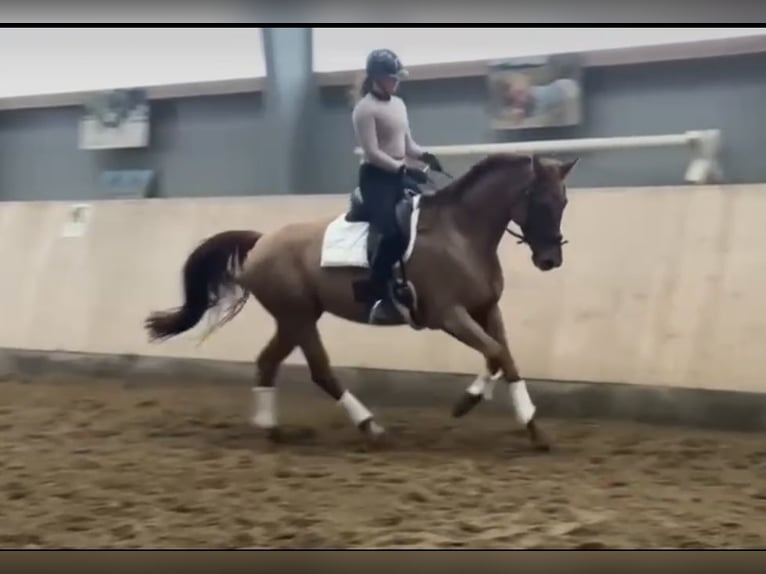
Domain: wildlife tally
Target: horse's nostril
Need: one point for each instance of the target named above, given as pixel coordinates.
(546, 264)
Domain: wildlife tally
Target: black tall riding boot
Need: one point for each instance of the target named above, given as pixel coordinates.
(382, 311)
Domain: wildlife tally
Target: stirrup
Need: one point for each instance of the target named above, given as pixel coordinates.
(404, 297)
(403, 294)
(385, 312)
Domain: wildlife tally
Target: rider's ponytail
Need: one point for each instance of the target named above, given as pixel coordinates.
(366, 86)
(360, 88)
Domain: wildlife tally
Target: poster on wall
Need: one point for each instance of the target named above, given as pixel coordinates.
(535, 92)
(77, 220)
(115, 119)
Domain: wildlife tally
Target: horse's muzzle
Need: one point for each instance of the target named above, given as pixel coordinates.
(547, 261)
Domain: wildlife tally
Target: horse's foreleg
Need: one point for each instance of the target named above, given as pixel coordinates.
(521, 402)
(483, 385)
(321, 373)
(490, 340)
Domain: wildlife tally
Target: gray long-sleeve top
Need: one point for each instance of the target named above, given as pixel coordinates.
(383, 132)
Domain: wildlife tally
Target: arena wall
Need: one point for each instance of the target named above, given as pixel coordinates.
(660, 286)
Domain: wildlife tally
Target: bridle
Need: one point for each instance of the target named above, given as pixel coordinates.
(524, 236)
(543, 239)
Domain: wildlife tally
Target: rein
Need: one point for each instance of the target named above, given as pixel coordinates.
(520, 236)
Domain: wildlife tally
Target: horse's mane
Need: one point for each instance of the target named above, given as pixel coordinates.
(454, 190)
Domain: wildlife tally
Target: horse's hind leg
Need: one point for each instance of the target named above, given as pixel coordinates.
(321, 373)
(493, 345)
(267, 365)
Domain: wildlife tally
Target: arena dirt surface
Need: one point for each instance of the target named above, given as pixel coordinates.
(100, 464)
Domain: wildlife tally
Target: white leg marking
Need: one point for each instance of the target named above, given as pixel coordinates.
(484, 384)
(264, 412)
(478, 385)
(357, 412)
(522, 404)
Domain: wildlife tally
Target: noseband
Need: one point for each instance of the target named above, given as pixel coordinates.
(534, 228)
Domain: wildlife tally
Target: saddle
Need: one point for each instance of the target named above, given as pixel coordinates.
(403, 209)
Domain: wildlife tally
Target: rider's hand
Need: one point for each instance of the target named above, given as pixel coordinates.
(431, 161)
(416, 175)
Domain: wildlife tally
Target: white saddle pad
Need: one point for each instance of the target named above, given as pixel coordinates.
(345, 242)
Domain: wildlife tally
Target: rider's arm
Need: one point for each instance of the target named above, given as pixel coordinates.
(412, 149)
(367, 136)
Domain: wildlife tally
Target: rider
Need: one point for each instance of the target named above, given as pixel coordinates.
(382, 131)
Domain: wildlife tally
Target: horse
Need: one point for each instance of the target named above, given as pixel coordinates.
(451, 266)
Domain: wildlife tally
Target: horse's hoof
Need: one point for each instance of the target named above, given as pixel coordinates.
(275, 435)
(540, 441)
(372, 431)
(466, 403)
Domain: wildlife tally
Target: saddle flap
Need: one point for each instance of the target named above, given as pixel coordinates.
(404, 210)
(356, 211)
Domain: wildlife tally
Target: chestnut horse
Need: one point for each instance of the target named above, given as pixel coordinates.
(453, 267)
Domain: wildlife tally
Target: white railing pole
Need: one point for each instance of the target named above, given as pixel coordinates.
(703, 145)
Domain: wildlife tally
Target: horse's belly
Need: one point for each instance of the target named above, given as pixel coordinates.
(336, 293)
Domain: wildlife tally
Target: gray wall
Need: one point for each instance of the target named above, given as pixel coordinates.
(670, 97)
(199, 146)
(223, 145)
(297, 138)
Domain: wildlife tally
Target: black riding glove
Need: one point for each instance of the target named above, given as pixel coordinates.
(416, 175)
(431, 161)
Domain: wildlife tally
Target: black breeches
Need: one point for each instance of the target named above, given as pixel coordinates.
(381, 191)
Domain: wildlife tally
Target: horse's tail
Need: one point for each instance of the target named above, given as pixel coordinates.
(208, 281)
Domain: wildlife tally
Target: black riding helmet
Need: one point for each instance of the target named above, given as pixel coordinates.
(381, 63)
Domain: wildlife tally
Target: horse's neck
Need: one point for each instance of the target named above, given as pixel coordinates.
(483, 213)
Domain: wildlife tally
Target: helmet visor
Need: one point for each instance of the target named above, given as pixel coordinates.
(401, 74)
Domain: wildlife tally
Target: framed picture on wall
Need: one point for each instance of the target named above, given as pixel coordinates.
(115, 119)
(535, 92)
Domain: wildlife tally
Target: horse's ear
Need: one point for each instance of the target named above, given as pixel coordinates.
(566, 167)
